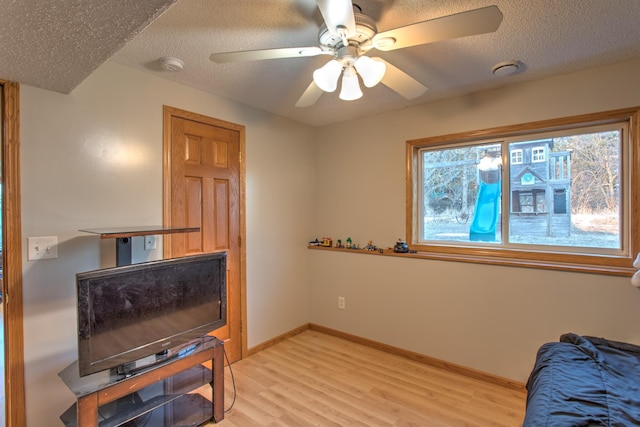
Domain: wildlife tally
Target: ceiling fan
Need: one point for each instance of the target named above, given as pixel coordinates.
(348, 36)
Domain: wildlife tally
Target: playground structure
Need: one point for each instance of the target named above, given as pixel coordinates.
(540, 185)
(487, 210)
(539, 191)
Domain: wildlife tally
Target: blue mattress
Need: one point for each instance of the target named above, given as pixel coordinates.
(584, 381)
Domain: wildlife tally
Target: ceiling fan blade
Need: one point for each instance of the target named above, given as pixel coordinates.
(338, 15)
(472, 22)
(310, 96)
(257, 55)
(401, 82)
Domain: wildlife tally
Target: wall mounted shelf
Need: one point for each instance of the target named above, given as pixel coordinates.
(123, 237)
(388, 251)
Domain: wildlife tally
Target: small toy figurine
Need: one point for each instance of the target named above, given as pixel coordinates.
(349, 243)
(315, 243)
(370, 246)
(339, 244)
(401, 247)
(327, 242)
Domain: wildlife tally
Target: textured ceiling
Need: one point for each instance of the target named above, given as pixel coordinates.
(56, 44)
(55, 49)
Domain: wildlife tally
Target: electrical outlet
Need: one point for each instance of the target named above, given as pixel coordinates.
(42, 247)
(341, 303)
(149, 242)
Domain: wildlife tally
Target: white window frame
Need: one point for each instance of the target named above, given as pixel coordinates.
(517, 156)
(618, 262)
(538, 154)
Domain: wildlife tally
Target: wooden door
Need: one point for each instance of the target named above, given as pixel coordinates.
(203, 189)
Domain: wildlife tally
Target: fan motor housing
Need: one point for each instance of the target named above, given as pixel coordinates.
(365, 30)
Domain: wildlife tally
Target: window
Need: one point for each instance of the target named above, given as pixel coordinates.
(516, 157)
(538, 154)
(528, 201)
(562, 198)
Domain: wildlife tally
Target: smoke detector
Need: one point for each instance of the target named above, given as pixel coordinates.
(171, 64)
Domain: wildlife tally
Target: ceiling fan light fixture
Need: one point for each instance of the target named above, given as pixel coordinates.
(371, 70)
(350, 86)
(326, 77)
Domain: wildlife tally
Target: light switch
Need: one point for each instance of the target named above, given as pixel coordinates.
(42, 247)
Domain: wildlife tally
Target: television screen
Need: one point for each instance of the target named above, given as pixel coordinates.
(137, 311)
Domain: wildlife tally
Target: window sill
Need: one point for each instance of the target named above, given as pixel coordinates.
(479, 259)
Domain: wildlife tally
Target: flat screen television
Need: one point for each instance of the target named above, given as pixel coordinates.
(134, 315)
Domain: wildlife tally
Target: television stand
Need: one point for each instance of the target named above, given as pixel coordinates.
(156, 396)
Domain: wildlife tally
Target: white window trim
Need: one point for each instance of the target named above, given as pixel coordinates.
(519, 156)
(535, 155)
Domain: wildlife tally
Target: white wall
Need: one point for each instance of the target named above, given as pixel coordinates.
(489, 318)
(94, 159)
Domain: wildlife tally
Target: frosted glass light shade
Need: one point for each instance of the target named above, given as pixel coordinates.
(326, 77)
(371, 70)
(350, 85)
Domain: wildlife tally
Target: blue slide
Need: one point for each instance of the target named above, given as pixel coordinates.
(485, 216)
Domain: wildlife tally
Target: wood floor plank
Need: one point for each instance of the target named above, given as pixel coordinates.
(314, 379)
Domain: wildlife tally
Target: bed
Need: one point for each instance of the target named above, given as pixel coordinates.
(584, 381)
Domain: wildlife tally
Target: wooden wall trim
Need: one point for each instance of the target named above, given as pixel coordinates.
(12, 259)
(427, 360)
(417, 357)
(575, 260)
(270, 343)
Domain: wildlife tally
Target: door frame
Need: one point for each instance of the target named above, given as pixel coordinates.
(15, 411)
(169, 112)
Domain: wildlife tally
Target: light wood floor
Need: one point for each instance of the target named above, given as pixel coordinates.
(314, 379)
